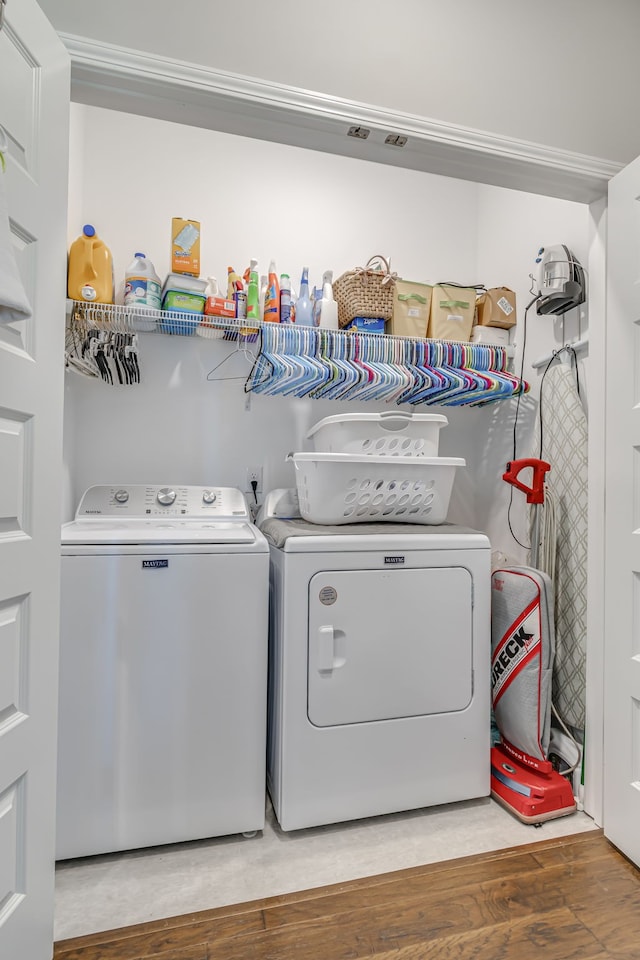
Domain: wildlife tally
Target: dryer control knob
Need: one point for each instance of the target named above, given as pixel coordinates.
(121, 496)
(166, 496)
(209, 496)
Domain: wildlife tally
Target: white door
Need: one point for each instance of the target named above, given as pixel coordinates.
(34, 107)
(622, 511)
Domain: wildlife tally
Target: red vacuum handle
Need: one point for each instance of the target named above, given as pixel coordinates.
(535, 493)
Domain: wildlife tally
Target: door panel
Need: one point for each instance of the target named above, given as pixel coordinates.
(622, 510)
(389, 643)
(34, 77)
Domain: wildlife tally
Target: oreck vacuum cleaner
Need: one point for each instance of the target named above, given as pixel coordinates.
(522, 649)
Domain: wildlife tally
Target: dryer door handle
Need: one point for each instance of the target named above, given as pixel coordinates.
(325, 649)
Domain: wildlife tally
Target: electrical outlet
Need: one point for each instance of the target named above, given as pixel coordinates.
(254, 475)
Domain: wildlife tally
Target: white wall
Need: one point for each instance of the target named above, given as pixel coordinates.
(270, 200)
(561, 74)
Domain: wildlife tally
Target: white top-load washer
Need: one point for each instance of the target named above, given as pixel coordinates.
(379, 669)
(163, 669)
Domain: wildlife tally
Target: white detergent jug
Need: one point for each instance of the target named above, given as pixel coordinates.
(142, 284)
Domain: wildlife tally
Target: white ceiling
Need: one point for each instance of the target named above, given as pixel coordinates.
(563, 73)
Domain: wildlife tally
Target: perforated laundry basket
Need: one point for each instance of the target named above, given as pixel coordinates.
(335, 488)
(379, 434)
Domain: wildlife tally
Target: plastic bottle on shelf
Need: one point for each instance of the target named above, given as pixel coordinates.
(142, 285)
(327, 306)
(272, 297)
(304, 308)
(207, 326)
(285, 298)
(316, 296)
(253, 292)
(90, 269)
(237, 293)
(262, 295)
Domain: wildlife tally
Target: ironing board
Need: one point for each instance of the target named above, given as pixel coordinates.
(565, 448)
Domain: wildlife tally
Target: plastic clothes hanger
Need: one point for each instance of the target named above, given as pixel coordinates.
(440, 380)
(333, 352)
(307, 371)
(491, 361)
(328, 353)
(356, 375)
(415, 362)
(267, 368)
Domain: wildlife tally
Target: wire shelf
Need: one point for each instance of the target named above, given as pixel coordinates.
(125, 319)
(102, 340)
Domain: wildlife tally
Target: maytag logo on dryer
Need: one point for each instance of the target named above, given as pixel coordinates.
(393, 561)
(154, 564)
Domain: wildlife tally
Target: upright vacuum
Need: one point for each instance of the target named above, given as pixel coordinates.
(522, 652)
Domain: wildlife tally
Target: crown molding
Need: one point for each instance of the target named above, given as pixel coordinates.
(118, 78)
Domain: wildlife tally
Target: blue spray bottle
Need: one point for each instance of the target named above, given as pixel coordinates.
(304, 307)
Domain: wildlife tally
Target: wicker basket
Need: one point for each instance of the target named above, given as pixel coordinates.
(365, 291)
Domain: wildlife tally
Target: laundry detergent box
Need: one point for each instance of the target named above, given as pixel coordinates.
(185, 246)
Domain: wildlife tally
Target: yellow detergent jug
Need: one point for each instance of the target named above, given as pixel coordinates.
(90, 271)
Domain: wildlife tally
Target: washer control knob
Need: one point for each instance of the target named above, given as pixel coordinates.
(208, 496)
(166, 496)
(121, 496)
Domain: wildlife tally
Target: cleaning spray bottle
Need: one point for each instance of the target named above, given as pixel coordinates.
(236, 292)
(304, 308)
(285, 298)
(263, 295)
(253, 292)
(213, 308)
(327, 306)
(272, 298)
(316, 296)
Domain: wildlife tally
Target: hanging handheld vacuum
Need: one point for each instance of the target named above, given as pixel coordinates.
(522, 652)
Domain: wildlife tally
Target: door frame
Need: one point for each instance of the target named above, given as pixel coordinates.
(594, 734)
(107, 75)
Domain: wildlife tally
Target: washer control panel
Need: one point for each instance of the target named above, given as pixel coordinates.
(140, 501)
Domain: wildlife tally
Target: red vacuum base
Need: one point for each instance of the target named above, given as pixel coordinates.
(528, 794)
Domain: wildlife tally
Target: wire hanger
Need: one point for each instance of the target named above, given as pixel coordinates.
(241, 347)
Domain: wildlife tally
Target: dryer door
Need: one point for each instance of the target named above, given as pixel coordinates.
(389, 643)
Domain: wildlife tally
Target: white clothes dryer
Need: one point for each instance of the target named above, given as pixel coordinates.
(163, 669)
(379, 684)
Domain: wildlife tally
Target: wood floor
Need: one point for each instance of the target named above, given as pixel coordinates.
(573, 897)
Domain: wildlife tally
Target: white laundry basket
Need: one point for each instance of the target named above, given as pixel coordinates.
(336, 488)
(379, 434)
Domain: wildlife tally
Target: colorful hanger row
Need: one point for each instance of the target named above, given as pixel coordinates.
(334, 365)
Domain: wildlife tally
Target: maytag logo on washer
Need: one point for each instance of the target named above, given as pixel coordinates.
(392, 561)
(328, 595)
(154, 564)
